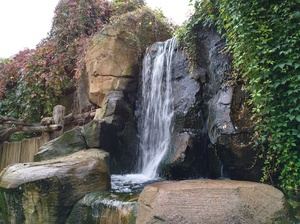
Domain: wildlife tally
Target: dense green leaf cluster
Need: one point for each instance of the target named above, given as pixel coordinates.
(263, 37)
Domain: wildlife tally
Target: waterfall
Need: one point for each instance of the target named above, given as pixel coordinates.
(155, 113)
(156, 107)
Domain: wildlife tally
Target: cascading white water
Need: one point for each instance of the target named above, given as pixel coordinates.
(155, 122)
(155, 117)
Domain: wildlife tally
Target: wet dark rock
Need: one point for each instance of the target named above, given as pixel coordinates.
(92, 133)
(233, 142)
(227, 114)
(118, 112)
(190, 119)
(188, 152)
(184, 161)
(186, 92)
(213, 110)
(219, 120)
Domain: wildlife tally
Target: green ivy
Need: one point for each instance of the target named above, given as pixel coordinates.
(263, 37)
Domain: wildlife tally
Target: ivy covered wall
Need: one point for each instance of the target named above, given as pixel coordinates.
(263, 37)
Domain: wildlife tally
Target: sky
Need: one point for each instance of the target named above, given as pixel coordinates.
(24, 23)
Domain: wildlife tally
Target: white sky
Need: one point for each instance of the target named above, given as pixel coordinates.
(23, 23)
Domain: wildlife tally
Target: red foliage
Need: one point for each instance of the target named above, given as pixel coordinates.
(78, 18)
(55, 60)
(13, 69)
(47, 72)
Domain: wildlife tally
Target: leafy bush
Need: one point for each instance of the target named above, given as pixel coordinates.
(264, 39)
(32, 82)
(11, 70)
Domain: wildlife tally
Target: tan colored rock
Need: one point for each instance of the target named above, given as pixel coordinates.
(114, 55)
(45, 192)
(210, 202)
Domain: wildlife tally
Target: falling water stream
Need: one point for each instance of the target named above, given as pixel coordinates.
(157, 108)
(155, 116)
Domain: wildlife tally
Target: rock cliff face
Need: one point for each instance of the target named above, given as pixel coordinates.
(212, 126)
(114, 55)
(231, 131)
(113, 62)
(227, 115)
(212, 121)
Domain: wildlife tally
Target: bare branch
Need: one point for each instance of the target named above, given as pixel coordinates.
(6, 132)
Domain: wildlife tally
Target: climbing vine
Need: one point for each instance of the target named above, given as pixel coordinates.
(263, 38)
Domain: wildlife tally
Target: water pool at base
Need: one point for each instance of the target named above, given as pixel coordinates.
(130, 183)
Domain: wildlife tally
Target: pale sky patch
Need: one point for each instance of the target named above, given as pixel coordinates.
(176, 10)
(24, 23)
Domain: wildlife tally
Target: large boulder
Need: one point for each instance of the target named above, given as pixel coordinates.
(45, 192)
(114, 55)
(210, 202)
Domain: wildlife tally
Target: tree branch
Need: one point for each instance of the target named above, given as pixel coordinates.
(6, 132)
